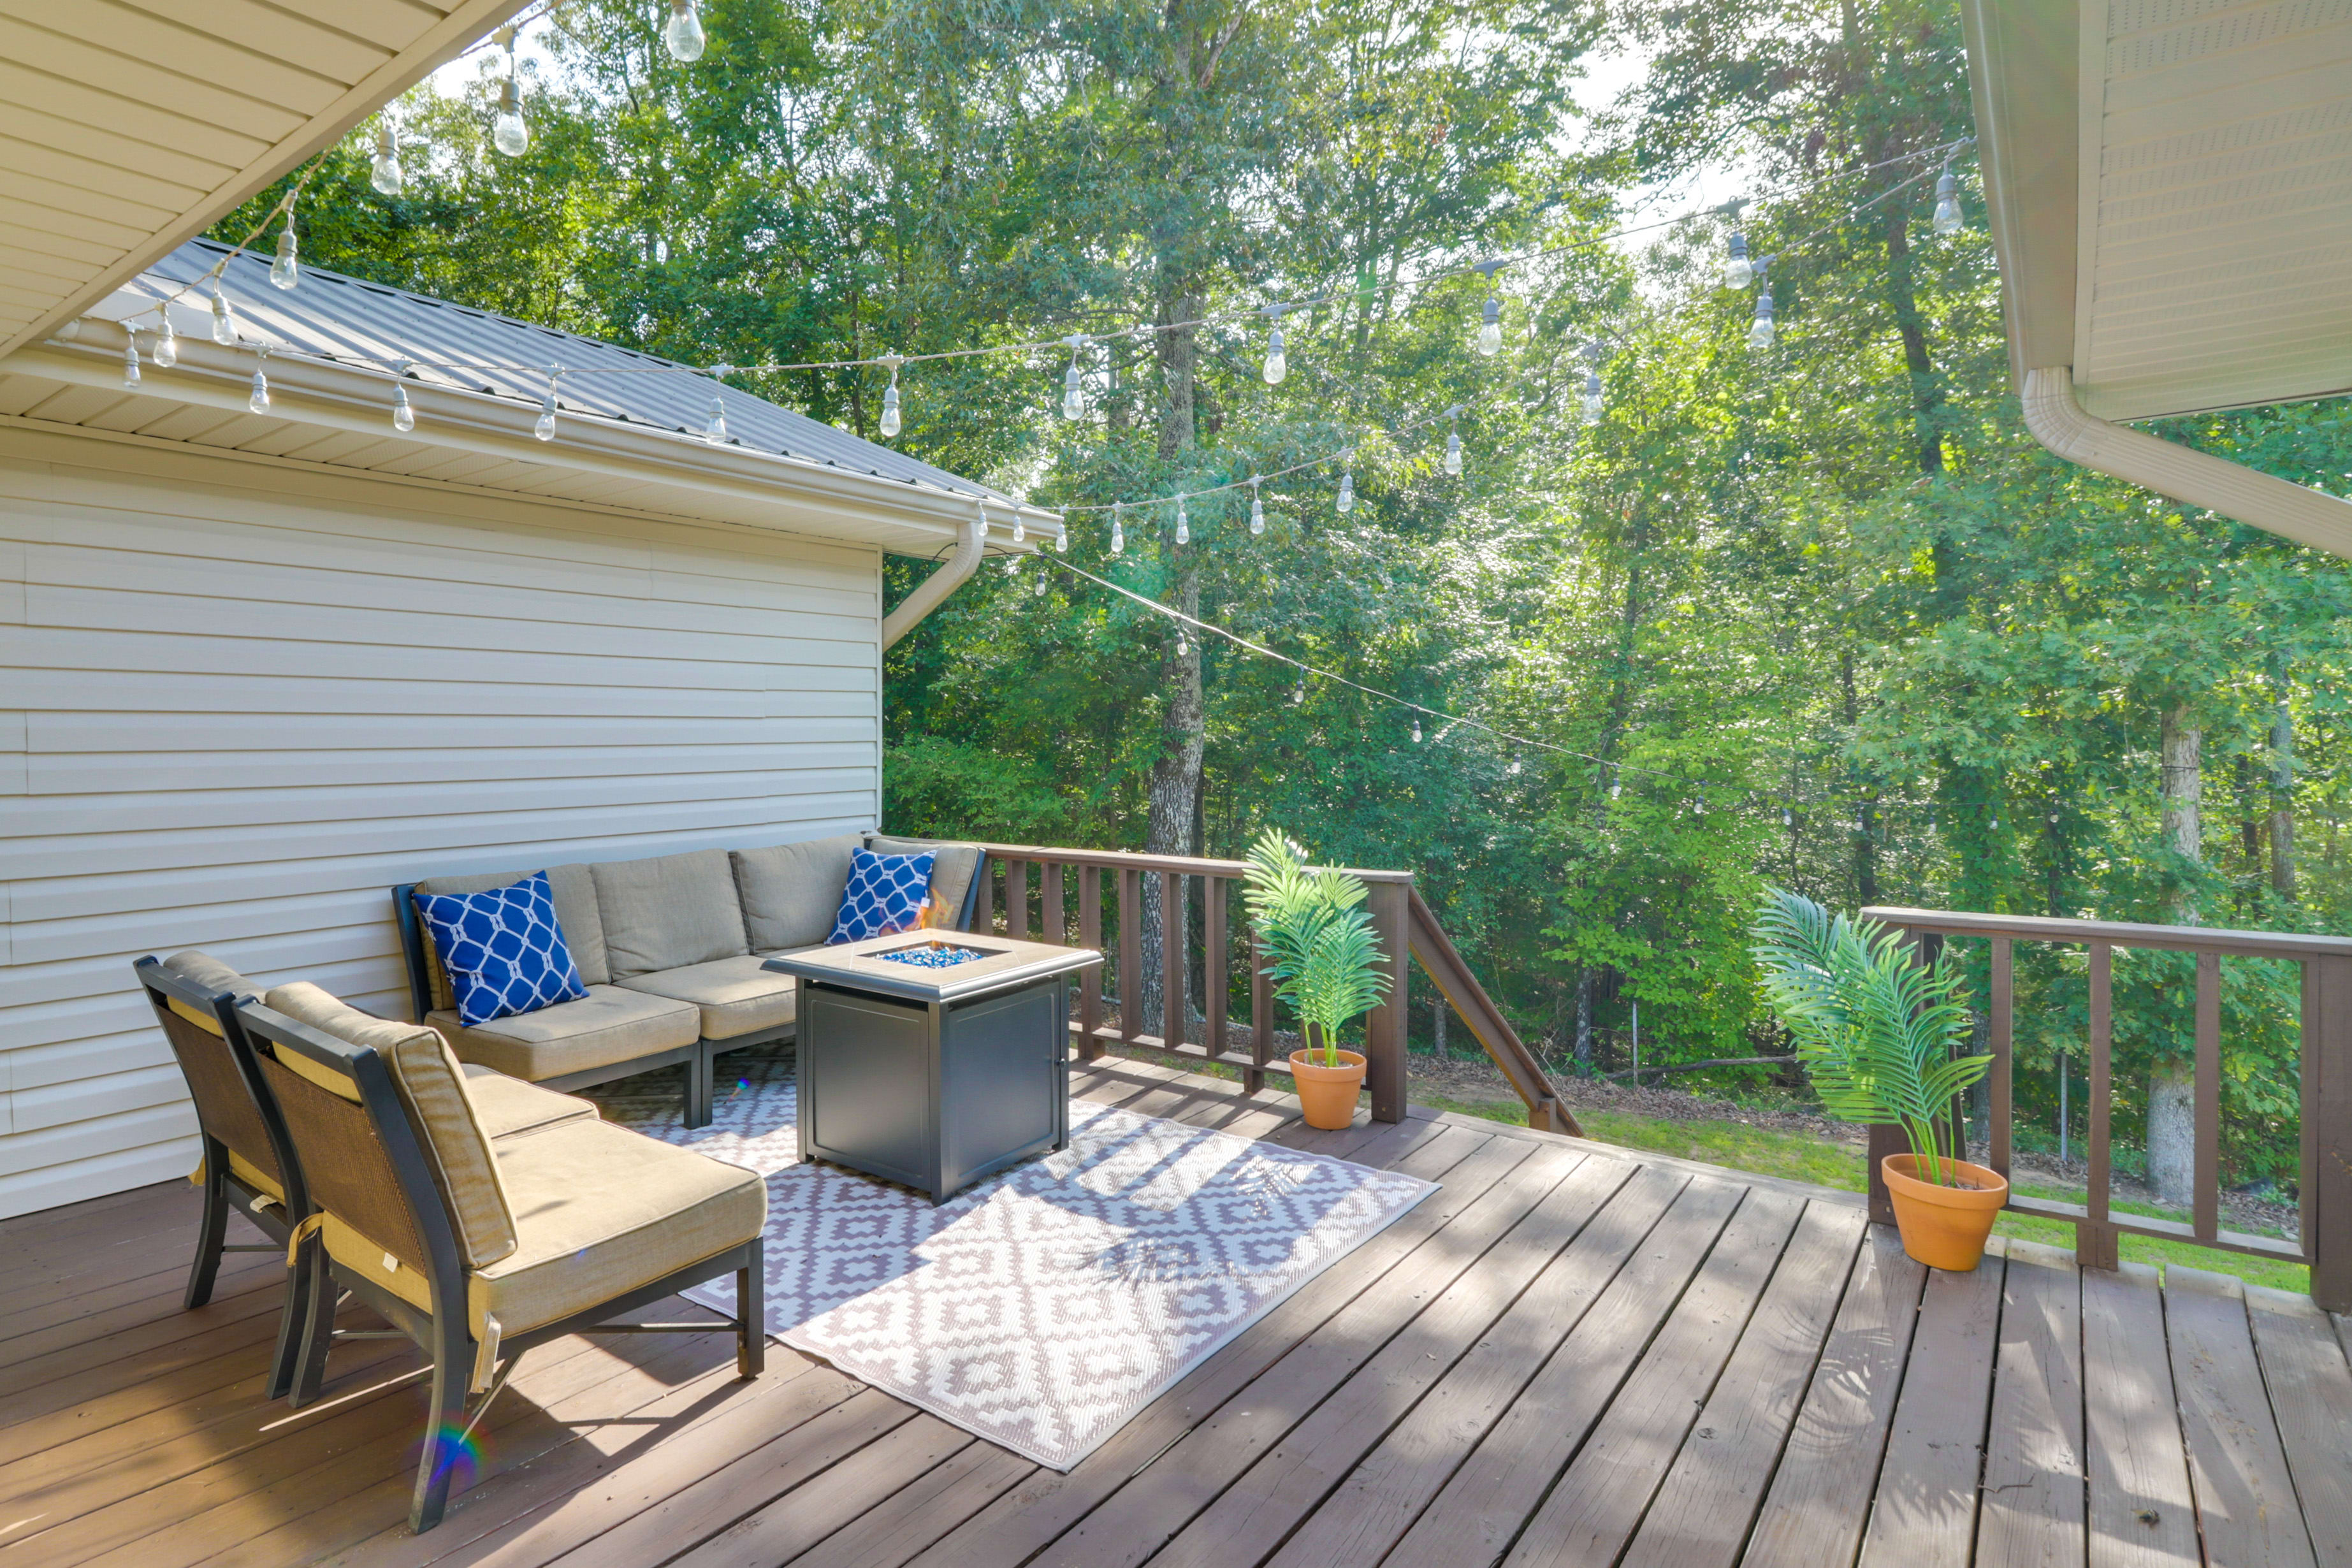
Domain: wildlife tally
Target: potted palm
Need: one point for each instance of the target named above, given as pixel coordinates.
(1877, 1033)
(1315, 943)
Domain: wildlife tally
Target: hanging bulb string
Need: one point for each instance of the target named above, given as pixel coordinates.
(283, 207)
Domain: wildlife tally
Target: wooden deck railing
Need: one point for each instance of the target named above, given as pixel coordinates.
(1406, 928)
(2326, 1238)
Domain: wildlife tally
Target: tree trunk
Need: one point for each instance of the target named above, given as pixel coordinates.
(1865, 839)
(2282, 800)
(1584, 1023)
(2172, 1084)
(1176, 776)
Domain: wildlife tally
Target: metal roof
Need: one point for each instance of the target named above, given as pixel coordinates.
(350, 321)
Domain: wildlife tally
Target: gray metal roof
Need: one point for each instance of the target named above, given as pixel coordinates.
(351, 321)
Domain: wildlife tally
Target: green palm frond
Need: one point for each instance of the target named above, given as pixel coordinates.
(1875, 1029)
(1316, 939)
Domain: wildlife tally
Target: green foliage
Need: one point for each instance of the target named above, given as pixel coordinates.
(1317, 938)
(1874, 1027)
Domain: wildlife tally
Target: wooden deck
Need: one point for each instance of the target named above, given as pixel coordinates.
(1567, 1355)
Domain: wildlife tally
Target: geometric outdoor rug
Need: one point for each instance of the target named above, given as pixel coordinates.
(1043, 1308)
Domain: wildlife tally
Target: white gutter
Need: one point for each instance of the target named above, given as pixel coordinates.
(2279, 506)
(950, 577)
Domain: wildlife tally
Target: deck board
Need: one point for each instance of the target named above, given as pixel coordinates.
(1569, 1354)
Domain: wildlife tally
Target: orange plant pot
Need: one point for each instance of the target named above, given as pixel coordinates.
(1945, 1228)
(1327, 1095)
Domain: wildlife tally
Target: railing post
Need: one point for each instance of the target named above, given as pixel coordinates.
(2004, 1003)
(1171, 960)
(2205, 1199)
(1883, 1140)
(1213, 979)
(1384, 1032)
(1090, 1046)
(1016, 900)
(2095, 1239)
(2327, 1124)
(1261, 1015)
(1131, 953)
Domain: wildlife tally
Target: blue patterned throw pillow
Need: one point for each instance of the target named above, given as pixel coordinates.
(503, 948)
(885, 894)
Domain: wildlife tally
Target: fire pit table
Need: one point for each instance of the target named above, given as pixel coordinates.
(933, 1057)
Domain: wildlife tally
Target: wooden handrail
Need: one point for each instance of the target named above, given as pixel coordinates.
(2325, 1242)
(1446, 967)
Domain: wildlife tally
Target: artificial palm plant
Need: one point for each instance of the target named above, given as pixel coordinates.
(1876, 1028)
(1313, 927)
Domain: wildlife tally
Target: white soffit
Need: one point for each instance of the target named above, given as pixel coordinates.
(2171, 185)
(127, 126)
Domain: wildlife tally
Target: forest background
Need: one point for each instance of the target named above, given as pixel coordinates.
(1823, 615)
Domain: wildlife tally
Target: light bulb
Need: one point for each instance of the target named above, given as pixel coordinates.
(1118, 530)
(1073, 392)
(1182, 647)
(1760, 331)
(403, 418)
(508, 134)
(259, 400)
(1947, 204)
(223, 327)
(1490, 329)
(1183, 524)
(890, 423)
(1298, 692)
(715, 431)
(1346, 492)
(1788, 817)
(285, 272)
(1020, 529)
(1736, 271)
(1062, 542)
(1614, 787)
(131, 360)
(1592, 404)
(384, 172)
(1257, 512)
(1276, 366)
(684, 37)
(167, 343)
(1416, 729)
(545, 428)
(1454, 452)
(1514, 768)
(1041, 585)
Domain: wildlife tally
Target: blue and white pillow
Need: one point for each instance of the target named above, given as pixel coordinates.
(885, 894)
(503, 948)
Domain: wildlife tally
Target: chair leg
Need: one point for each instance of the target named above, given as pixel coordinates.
(453, 1371)
(751, 1316)
(212, 1230)
(698, 1068)
(318, 1333)
(293, 1329)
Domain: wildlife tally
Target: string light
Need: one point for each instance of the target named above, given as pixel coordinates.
(1948, 202)
(1514, 769)
(1347, 502)
(285, 272)
(403, 418)
(1738, 272)
(1760, 331)
(224, 328)
(1298, 692)
(1453, 446)
(384, 172)
(1490, 329)
(131, 358)
(1020, 529)
(166, 353)
(1183, 524)
(545, 428)
(1276, 365)
(1182, 647)
(258, 399)
(891, 425)
(508, 134)
(715, 431)
(1258, 510)
(684, 37)
(1073, 392)
(1117, 528)
(1416, 729)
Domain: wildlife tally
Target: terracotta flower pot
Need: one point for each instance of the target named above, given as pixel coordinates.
(1327, 1095)
(1945, 1228)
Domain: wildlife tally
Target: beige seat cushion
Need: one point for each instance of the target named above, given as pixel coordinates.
(573, 889)
(607, 1026)
(950, 871)
(508, 1107)
(600, 1210)
(792, 892)
(458, 1149)
(669, 912)
(736, 995)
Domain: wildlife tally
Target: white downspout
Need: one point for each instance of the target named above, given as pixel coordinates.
(939, 584)
(2279, 506)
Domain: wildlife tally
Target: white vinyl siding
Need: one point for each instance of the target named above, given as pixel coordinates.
(238, 702)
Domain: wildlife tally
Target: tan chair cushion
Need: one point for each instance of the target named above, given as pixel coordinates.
(198, 968)
(458, 1149)
(607, 1026)
(669, 912)
(736, 995)
(600, 1211)
(573, 889)
(792, 892)
(950, 871)
(508, 1107)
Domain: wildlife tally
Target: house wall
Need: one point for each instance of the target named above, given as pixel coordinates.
(240, 700)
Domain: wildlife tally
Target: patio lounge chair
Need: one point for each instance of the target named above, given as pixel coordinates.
(479, 1247)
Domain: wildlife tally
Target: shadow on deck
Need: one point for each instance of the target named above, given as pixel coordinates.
(1571, 1354)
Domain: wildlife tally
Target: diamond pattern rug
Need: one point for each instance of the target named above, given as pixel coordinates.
(1043, 1308)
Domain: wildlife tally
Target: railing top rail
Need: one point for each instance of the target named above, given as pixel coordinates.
(2119, 934)
(1130, 861)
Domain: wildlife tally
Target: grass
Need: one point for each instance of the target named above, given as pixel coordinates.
(1797, 1157)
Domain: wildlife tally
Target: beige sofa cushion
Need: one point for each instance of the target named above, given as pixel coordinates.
(736, 995)
(458, 1149)
(607, 1026)
(669, 912)
(951, 872)
(573, 889)
(508, 1106)
(600, 1210)
(792, 892)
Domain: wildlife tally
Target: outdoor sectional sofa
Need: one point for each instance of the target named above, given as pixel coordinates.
(670, 950)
